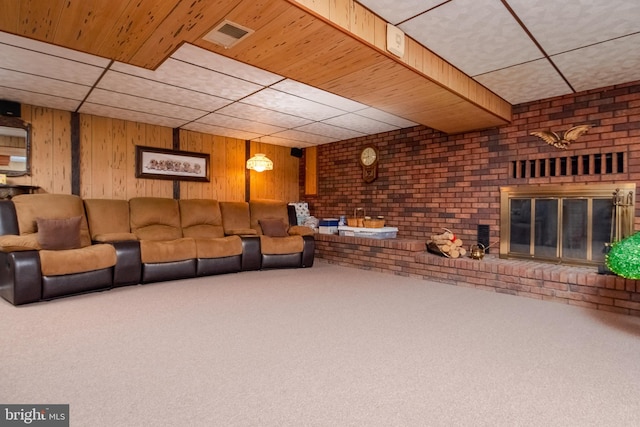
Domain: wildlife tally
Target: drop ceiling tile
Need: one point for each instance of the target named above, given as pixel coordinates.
(291, 104)
(40, 99)
(44, 85)
(52, 50)
(560, 26)
(361, 124)
(385, 117)
(134, 103)
(42, 64)
(476, 36)
(138, 86)
(317, 95)
(129, 115)
(309, 138)
(602, 64)
(192, 77)
(395, 11)
(203, 58)
(333, 132)
(263, 115)
(236, 123)
(221, 131)
(525, 82)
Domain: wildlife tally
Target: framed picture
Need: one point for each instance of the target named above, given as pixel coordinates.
(161, 163)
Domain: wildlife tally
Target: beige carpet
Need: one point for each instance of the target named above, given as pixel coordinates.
(326, 346)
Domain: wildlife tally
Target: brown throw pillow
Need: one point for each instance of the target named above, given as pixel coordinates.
(59, 234)
(273, 227)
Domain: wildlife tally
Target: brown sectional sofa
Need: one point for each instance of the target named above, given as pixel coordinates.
(53, 245)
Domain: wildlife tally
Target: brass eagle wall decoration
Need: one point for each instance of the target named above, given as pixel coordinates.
(562, 142)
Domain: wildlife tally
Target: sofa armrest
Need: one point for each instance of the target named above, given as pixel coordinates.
(308, 253)
(12, 243)
(251, 253)
(114, 237)
(128, 268)
(20, 277)
(300, 230)
(241, 232)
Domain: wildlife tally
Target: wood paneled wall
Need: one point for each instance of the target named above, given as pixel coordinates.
(107, 160)
(50, 150)
(282, 182)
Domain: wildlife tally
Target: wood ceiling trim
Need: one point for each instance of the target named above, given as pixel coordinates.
(371, 29)
(189, 21)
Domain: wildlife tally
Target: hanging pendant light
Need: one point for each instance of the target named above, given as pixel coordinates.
(259, 163)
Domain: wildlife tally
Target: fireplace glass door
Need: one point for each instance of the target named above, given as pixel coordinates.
(562, 226)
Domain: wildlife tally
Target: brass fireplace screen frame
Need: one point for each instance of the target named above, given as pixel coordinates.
(625, 212)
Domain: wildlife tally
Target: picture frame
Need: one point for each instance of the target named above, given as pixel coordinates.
(162, 163)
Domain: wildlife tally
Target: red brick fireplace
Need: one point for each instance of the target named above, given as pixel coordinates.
(428, 180)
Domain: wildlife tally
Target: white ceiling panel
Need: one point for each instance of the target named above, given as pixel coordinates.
(560, 26)
(309, 92)
(526, 82)
(157, 108)
(327, 130)
(52, 50)
(396, 11)
(263, 115)
(45, 85)
(602, 64)
(41, 64)
(203, 58)
(38, 99)
(138, 86)
(124, 114)
(291, 104)
(222, 131)
(189, 76)
(360, 124)
(486, 36)
(222, 120)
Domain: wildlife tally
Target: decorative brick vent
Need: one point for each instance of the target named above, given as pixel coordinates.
(588, 164)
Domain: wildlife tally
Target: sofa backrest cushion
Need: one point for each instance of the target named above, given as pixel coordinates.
(267, 209)
(107, 217)
(155, 218)
(201, 218)
(235, 218)
(31, 207)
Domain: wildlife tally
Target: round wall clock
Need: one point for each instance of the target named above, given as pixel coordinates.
(369, 162)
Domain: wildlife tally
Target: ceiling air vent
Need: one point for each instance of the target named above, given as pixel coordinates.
(227, 34)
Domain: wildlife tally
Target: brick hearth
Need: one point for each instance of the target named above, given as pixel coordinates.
(581, 286)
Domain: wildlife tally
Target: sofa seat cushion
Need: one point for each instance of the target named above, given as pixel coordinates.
(71, 261)
(281, 245)
(219, 247)
(154, 251)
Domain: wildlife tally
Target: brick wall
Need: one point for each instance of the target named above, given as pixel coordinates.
(428, 180)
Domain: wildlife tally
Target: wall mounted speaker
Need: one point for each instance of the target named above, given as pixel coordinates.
(296, 152)
(10, 108)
